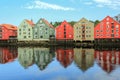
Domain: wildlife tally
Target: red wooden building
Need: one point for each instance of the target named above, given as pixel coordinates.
(7, 31)
(65, 56)
(64, 31)
(7, 55)
(108, 28)
(107, 59)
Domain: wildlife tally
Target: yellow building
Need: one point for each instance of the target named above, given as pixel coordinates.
(84, 30)
(84, 58)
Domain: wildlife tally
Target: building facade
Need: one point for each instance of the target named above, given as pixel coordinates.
(64, 31)
(108, 28)
(43, 30)
(84, 30)
(25, 30)
(7, 31)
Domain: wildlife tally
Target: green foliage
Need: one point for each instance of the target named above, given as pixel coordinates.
(72, 23)
(96, 22)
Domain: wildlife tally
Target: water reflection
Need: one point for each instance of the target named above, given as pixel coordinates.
(39, 56)
(42, 57)
(64, 56)
(39, 63)
(8, 54)
(84, 58)
(25, 57)
(107, 59)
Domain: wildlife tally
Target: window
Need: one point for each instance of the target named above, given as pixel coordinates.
(117, 30)
(28, 29)
(24, 26)
(117, 26)
(0, 30)
(89, 35)
(107, 23)
(40, 21)
(112, 35)
(107, 19)
(112, 31)
(35, 33)
(41, 36)
(83, 31)
(24, 32)
(97, 31)
(29, 36)
(112, 26)
(46, 28)
(19, 29)
(24, 36)
(19, 33)
(117, 35)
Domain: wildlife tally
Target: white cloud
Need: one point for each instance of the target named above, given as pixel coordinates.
(37, 4)
(114, 4)
(88, 3)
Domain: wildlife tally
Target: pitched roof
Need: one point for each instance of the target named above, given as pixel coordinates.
(30, 22)
(50, 25)
(9, 26)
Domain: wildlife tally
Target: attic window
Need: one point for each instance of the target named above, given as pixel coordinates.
(40, 21)
(117, 26)
(107, 19)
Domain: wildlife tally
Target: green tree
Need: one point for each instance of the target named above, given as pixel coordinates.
(96, 22)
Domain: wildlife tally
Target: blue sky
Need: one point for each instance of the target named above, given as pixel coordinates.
(14, 11)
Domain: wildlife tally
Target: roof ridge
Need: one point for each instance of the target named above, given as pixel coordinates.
(50, 25)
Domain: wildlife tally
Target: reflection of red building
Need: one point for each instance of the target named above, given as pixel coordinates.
(65, 57)
(107, 59)
(7, 55)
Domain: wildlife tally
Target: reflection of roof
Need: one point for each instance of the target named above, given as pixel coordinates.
(9, 26)
(30, 22)
(48, 23)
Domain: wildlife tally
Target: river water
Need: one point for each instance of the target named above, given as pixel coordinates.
(40, 63)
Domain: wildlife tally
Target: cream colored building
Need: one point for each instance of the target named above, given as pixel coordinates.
(84, 58)
(84, 30)
(25, 56)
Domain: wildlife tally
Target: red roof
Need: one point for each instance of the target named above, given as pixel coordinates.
(48, 23)
(9, 26)
(30, 22)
